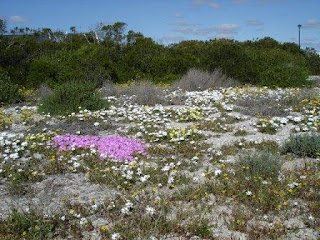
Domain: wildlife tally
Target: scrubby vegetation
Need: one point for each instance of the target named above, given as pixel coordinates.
(95, 151)
(112, 54)
(303, 145)
(9, 91)
(72, 96)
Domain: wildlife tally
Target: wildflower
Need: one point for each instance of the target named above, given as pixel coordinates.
(248, 193)
(94, 206)
(83, 221)
(63, 218)
(104, 228)
(127, 208)
(217, 172)
(96, 124)
(150, 210)
(119, 148)
(144, 178)
(71, 211)
(115, 236)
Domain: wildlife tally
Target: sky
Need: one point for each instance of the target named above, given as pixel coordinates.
(170, 21)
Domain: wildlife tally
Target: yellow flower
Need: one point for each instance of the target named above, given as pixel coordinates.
(104, 228)
(71, 211)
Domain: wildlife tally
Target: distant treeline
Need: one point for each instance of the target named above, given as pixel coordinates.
(30, 58)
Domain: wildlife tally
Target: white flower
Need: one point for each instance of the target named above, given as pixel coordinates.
(127, 208)
(83, 221)
(76, 164)
(195, 158)
(150, 210)
(63, 218)
(94, 206)
(144, 178)
(311, 218)
(217, 172)
(249, 193)
(115, 236)
(297, 119)
(96, 124)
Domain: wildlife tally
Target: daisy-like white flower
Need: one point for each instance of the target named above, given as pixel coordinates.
(217, 172)
(248, 193)
(115, 236)
(150, 210)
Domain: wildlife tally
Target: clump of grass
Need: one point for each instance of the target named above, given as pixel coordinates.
(27, 225)
(71, 96)
(145, 93)
(241, 132)
(108, 89)
(255, 182)
(44, 91)
(263, 106)
(306, 145)
(260, 164)
(195, 80)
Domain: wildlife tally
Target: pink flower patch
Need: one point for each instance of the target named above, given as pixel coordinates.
(119, 148)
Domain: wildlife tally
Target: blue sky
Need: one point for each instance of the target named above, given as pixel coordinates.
(168, 21)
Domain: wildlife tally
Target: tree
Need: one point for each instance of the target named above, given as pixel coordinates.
(3, 26)
(73, 29)
(114, 33)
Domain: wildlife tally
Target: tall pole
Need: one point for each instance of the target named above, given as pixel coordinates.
(299, 26)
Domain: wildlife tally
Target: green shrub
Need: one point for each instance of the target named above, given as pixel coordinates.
(260, 164)
(68, 97)
(9, 92)
(306, 145)
(279, 68)
(273, 67)
(88, 63)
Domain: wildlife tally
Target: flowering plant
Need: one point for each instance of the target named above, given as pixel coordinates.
(119, 148)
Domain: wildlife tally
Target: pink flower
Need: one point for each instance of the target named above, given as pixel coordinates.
(117, 147)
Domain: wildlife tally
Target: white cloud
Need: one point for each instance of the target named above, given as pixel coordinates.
(310, 39)
(209, 3)
(254, 23)
(172, 38)
(223, 30)
(312, 23)
(224, 35)
(178, 15)
(239, 1)
(185, 24)
(18, 19)
(226, 28)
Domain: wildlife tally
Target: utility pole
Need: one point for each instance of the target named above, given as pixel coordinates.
(299, 26)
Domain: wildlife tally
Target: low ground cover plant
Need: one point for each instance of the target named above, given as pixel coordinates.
(116, 147)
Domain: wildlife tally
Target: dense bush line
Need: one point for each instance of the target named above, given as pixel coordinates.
(110, 53)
